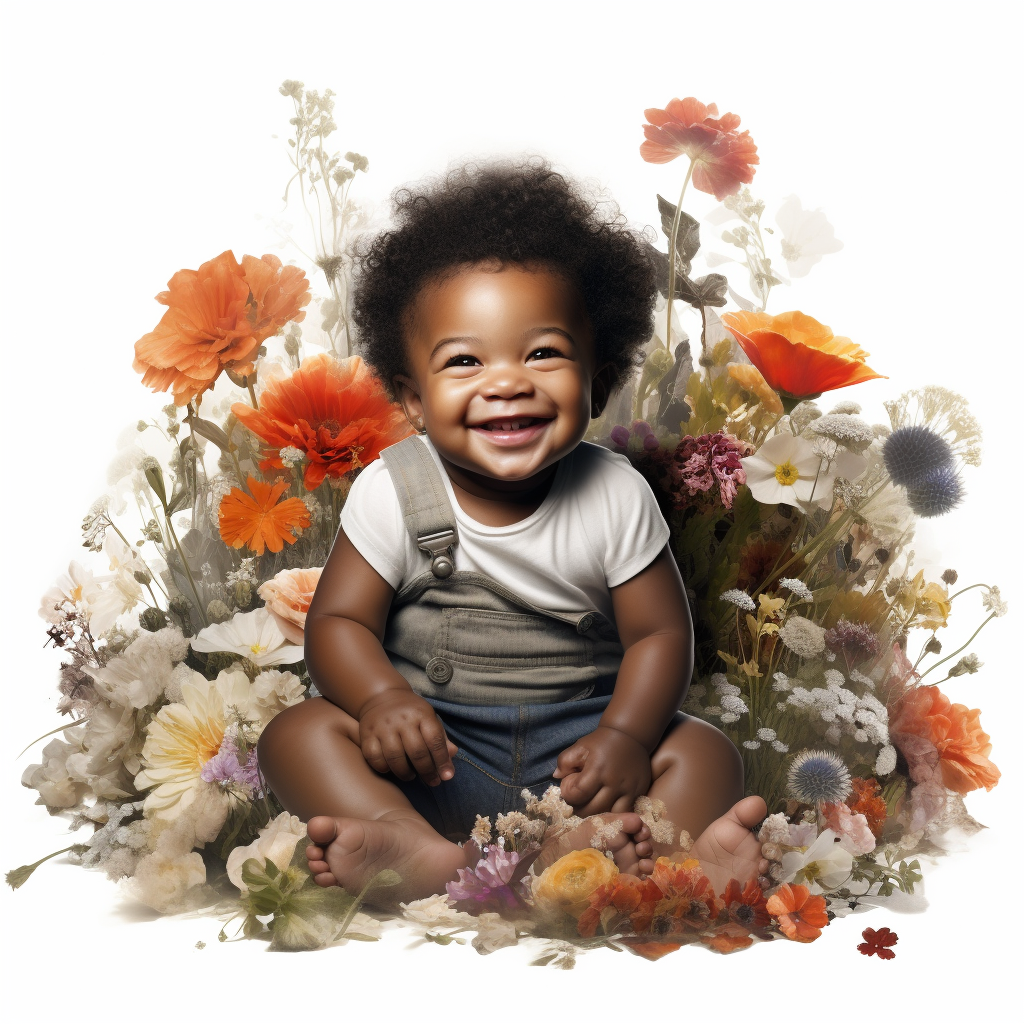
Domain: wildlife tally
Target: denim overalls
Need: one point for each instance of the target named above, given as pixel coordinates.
(513, 684)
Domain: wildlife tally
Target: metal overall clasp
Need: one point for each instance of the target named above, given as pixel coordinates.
(439, 547)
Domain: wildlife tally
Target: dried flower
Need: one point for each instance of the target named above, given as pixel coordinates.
(993, 603)
(797, 588)
(707, 465)
(742, 601)
(802, 636)
(854, 640)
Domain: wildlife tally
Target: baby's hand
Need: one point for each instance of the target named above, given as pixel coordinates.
(399, 732)
(604, 771)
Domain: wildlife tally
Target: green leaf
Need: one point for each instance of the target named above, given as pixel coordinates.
(708, 290)
(209, 430)
(687, 236)
(543, 961)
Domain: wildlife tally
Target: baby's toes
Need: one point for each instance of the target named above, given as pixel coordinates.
(646, 866)
(325, 879)
(642, 835)
(644, 849)
(318, 867)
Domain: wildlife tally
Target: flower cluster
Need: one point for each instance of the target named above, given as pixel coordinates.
(817, 650)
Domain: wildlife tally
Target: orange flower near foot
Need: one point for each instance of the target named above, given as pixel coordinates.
(336, 413)
(723, 158)
(955, 732)
(801, 916)
(728, 939)
(798, 357)
(867, 800)
(259, 521)
(217, 318)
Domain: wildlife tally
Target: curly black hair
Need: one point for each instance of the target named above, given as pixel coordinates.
(519, 212)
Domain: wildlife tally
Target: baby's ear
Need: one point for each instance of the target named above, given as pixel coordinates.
(409, 397)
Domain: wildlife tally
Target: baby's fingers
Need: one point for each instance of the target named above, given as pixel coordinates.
(580, 788)
(441, 766)
(572, 759)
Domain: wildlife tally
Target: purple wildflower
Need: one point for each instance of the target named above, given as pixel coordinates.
(700, 463)
(854, 640)
(224, 767)
(495, 882)
(636, 438)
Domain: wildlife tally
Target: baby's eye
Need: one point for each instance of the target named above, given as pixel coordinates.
(462, 360)
(547, 352)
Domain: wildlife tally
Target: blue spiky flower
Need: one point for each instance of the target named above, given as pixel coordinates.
(911, 453)
(938, 493)
(818, 776)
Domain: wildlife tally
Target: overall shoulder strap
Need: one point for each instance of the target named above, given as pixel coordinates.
(428, 513)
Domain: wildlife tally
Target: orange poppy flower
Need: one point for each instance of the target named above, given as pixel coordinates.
(217, 317)
(746, 905)
(722, 158)
(650, 949)
(259, 521)
(801, 916)
(797, 356)
(955, 732)
(335, 412)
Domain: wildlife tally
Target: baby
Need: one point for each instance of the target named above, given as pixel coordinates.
(501, 607)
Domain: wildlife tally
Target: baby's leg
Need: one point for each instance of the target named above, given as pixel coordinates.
(360, 821)
(698, 774)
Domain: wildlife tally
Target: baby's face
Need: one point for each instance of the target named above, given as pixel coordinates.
(501, 365)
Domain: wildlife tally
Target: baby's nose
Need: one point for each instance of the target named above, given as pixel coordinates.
(506, 381)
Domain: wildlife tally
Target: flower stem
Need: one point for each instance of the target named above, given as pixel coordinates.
(672, 261)
(252, 396)
(959, 649)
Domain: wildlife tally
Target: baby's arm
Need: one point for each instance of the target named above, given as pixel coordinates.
(398, 730)
(609, 768)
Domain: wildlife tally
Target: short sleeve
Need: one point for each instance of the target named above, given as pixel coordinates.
(622, 521)
(372, 520)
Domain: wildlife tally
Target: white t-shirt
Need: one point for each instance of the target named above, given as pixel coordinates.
(598, 526)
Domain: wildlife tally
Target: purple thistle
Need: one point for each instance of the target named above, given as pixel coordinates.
(855, 640)
(495, 882)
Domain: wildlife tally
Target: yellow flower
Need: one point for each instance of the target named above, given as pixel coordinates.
(183, 737)
(928, 602)
(749, 378)
(567, 884)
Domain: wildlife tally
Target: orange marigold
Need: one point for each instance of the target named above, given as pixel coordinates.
(335, 412)
(955, 732)
(801, 916)
(259, 521)
(867, 799)
(723, 158)
(217, 318)
(798, 357)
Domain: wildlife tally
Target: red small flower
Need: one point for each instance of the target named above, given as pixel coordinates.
(723, 158)
(878, 942)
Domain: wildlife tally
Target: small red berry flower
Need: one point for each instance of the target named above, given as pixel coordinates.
(878, 942)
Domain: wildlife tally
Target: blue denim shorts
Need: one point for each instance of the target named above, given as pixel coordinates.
(503, 750)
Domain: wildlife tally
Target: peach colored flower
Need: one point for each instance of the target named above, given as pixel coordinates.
(287, 597)
(955, 732)
(801, 916)
(259, 521)
(866, 799)
(797, 356)
(723, 159)
(335, 412)
(728, 938)
(217, 318)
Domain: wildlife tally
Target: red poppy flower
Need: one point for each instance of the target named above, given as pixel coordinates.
(722, 158)
(801, 916)
(878, 942)
(746, 906)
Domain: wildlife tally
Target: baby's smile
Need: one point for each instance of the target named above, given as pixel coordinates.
(510, 433)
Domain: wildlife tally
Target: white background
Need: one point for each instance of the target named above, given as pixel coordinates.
(138, 140)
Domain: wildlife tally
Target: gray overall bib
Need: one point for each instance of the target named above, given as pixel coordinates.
(513, 684)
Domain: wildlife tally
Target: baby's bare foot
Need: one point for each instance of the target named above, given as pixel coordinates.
(728, 849)
(350, 851)
(624, 835)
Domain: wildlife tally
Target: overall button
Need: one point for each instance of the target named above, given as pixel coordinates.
(439, 670)
(585, 623)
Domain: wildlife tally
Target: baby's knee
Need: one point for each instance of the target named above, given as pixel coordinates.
(299, 728)
(698, 745)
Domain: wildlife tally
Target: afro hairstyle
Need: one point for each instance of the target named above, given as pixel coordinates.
(514, 212)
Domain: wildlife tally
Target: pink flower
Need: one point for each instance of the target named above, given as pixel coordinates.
(855, 834)
(496, 882)
(700, 463)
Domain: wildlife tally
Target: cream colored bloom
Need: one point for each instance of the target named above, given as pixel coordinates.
(276, 843)
(72, 590)
(806, 236)
(119, 592)
(436, 912)
(183, 737)
(824, 865)
(287, 597)
(254, 635)
(162, 881)
(786, 469)
(273, 691)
